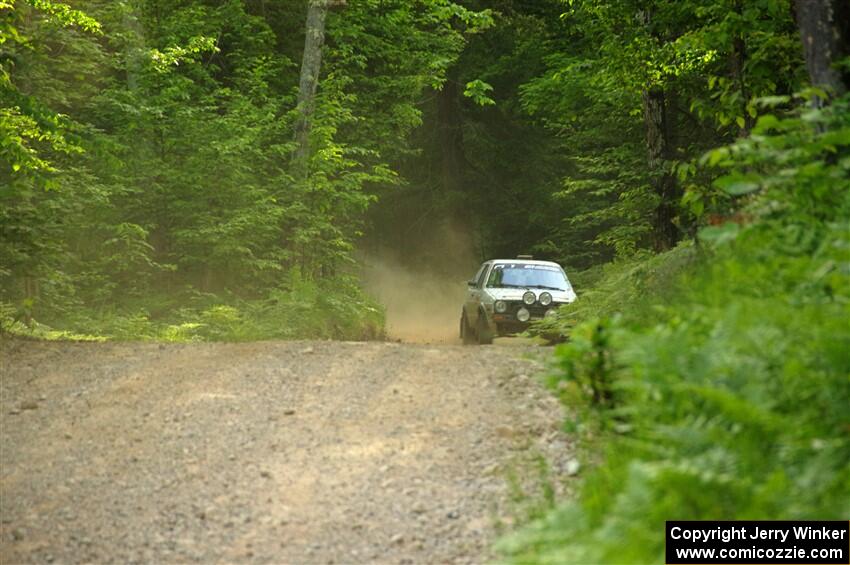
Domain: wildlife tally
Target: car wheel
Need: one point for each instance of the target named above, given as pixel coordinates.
(485, 337)
(466, 332)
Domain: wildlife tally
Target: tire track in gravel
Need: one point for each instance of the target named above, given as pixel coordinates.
(283, 452)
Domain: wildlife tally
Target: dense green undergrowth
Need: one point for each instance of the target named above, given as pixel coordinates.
(715, 378)
(152, 184)
(298, 309)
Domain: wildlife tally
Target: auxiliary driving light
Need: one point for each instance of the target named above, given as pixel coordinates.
(523, 315)
(529, 298)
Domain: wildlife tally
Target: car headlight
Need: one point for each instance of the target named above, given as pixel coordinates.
(501, 306)
(523, 315)
(550, 313)
(545, 299)
(529, 297)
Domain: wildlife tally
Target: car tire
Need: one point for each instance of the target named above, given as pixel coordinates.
(466, 333)
(485, 336)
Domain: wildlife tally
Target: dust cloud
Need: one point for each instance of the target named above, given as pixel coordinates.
(420, 307)
(422, 291)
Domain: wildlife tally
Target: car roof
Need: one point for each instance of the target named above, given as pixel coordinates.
(525, 262)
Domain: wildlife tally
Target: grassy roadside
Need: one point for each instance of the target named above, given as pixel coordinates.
(302, 310)
(715, 380)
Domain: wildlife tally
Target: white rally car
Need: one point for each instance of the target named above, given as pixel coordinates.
(507, 294)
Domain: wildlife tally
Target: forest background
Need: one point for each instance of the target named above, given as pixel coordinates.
(153, 184)
(165, 174)
(193, 170)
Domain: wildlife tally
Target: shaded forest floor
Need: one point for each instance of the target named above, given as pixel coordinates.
(298, 452)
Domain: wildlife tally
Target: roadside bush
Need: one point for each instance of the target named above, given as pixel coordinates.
(730, 399)
(297, 309)
(620, 288)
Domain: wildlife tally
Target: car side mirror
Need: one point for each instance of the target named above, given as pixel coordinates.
(471, 283)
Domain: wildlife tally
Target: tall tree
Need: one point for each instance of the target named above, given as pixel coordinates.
(658, 122)
(311, 65)
(825, 32)
(659, 151)
(450, 133)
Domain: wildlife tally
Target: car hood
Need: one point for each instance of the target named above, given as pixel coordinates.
(516, 293)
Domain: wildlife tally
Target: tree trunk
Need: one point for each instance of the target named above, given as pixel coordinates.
(739, 57)
(311, 63)
(658, 146)
(738, 63)
(450, 135)
(659, 143)
(133, 48)
(826, 40)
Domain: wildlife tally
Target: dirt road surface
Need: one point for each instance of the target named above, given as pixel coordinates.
(294, 452)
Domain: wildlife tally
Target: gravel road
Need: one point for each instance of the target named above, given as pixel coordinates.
(283, 452)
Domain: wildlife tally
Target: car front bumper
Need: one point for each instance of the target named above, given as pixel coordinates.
(506, 323)
(510, 327)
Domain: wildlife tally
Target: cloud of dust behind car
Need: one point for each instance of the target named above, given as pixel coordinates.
(422, 292)
(421, 307)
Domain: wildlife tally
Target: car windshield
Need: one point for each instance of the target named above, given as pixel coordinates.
(520, 275)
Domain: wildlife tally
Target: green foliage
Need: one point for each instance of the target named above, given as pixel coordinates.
(63, 14)
(618, 290)
(298, 309)
(729, 395)
(484, 170)
(711, 62)
(477, 90)
(28, 129)
(810, 149)
(147, 192)
(146, 154)
(606, 189)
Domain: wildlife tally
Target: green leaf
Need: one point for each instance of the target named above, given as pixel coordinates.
(766, 122)
(715, 156)
(737, 184)
(718, 235)
(837, 137)
(772, 101)
(477, 90)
